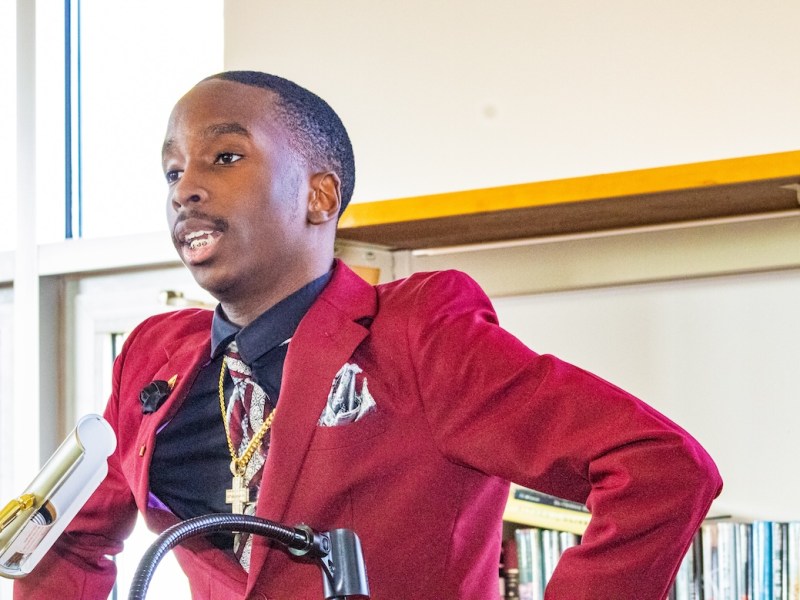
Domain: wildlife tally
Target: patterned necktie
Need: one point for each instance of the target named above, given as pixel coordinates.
(246, 413)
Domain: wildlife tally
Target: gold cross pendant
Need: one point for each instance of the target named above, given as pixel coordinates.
(238, 495)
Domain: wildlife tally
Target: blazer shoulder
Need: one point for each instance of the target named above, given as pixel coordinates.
(432, 288)
(166, 327)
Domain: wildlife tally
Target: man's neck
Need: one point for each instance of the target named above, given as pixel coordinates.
(244, 313)
(244, 310)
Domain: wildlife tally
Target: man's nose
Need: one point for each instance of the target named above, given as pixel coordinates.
(189, 189)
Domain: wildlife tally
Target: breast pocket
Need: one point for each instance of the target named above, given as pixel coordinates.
(346, 435)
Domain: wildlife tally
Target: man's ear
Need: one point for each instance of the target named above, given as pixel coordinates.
(325, 198)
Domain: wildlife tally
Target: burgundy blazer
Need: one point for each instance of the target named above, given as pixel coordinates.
(462, 408)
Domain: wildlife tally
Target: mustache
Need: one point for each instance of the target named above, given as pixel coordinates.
(218, 223)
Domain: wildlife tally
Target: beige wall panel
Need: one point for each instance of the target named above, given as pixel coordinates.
(461, 94)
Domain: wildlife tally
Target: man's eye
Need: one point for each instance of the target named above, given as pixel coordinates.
(173, 176)
(227, 158)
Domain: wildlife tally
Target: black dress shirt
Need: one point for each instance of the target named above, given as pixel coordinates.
(190, 470)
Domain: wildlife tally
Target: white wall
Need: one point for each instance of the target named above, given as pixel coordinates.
(717, 355)
(461, 94)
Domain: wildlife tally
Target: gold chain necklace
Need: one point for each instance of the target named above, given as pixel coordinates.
(239, 494)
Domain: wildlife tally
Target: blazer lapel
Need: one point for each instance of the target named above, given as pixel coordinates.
(183, 358)
(325, 339)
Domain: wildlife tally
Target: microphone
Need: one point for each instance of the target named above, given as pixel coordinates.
(337, 552)
(31, 523)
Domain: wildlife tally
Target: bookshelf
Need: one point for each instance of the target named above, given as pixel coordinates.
(732, 188)
(538, 529)
(729, 559)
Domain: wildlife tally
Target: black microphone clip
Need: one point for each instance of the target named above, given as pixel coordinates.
(344, 572)
(154, 393)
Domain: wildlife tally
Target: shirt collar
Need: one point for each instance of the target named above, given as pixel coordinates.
(271, 328)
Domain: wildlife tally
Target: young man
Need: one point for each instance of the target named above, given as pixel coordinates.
(400, 411)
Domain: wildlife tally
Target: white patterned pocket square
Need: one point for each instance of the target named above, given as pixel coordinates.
(346, 403)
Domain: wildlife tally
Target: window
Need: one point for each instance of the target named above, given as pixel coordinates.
(8, 114)
(134, 60)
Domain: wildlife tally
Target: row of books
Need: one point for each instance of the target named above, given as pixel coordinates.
(529, 558)
(728, 559)
(538, 552)
(731, 560)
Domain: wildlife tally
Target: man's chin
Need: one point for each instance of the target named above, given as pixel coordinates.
(216, 284)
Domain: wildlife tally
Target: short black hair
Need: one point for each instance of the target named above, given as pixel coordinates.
(316, 132)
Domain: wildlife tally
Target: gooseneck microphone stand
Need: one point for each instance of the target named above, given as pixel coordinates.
(338, 551)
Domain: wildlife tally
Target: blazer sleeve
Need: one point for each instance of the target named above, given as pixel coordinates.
(79, 564)
(497, 406)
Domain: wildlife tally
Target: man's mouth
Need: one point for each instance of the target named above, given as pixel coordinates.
(196, 237)
(199, 239)
(198, 245)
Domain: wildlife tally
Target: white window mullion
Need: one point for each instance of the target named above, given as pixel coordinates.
(25, 408)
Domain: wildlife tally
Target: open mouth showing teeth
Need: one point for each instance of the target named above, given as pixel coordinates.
(198, 239)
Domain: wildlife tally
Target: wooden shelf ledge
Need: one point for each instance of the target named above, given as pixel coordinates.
(753, 185)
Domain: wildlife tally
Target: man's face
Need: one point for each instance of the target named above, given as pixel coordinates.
(237, 197)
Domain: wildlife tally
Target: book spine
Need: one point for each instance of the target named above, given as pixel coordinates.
(744, 561)
(538, 581)
(681, 585)
(696, 572)
(711, 588)
(550, 553)
(510, 587)
(726, 552)
(509, 580)
(778, 561)
(567, 540)
(762, 560)
(793, 560)
(785, 561)
(524, 587)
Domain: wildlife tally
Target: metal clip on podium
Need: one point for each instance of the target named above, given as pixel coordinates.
(338, 551)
